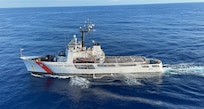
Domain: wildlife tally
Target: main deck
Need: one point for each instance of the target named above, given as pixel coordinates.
(124, 59)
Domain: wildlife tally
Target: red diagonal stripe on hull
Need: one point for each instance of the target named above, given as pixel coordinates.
(44, 67)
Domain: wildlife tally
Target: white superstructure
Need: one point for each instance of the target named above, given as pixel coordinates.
(77, 59)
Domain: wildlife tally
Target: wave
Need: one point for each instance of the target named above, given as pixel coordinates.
(131, 79)
(74, 80)
(134, 79)
(184, 68)
(79, 82)
(48, 75)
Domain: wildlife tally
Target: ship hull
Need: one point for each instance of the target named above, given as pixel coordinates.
(64, 68)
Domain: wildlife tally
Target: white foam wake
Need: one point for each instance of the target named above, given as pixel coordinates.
(131, 79)
(58, 76)
(184, 68)
(79, 82)
(36, 75)
(49, 75)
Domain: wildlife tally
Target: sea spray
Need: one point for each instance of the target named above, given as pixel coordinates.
(131, 79)
(79, 82)
(74, 80)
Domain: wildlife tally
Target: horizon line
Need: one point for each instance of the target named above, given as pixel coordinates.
(98, 5)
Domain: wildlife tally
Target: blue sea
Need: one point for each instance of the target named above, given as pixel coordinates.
(173, 33)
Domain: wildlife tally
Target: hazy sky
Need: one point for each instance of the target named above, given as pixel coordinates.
(45, 3)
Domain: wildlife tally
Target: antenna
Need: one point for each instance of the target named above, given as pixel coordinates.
(65, 41)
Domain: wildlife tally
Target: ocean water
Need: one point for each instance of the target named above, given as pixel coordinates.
(173, 33)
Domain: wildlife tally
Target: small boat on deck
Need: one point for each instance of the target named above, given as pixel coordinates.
(77, 59)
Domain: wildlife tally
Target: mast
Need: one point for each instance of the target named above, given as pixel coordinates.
(87, 28)
(83, 31)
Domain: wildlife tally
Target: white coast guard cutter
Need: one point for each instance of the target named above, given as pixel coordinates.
(77, 59)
